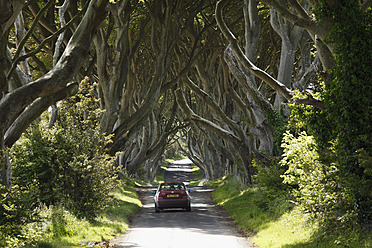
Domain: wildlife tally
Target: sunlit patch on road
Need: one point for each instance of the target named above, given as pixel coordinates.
(205, 226)
(185, 161)
(179, 237)
(179, 168)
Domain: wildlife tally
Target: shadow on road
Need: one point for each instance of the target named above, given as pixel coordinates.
(207, 225)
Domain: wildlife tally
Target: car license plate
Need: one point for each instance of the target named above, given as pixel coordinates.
(172, 195)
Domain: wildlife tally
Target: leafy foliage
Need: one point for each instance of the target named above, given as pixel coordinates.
(268, 176)
(67, 164)
(16, 210)
(348, 99)
(315, 183)
(279, 124)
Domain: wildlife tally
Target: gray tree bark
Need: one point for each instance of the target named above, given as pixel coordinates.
(290, 35)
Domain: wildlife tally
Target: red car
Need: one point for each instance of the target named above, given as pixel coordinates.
(172, 195)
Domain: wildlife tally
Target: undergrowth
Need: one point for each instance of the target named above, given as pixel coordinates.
(197, 176)
(60, 228)
(159, 177)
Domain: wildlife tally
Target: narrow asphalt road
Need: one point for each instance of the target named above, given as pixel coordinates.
(207, 225)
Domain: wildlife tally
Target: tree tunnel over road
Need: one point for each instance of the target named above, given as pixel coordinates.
(207, 225)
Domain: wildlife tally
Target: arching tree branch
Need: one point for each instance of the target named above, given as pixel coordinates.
(272, 82)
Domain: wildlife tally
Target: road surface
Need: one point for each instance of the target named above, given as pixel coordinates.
(207, 225)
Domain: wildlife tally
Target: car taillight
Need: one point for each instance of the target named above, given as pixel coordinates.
(161, 195)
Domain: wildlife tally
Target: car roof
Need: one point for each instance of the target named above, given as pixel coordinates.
(173, 183)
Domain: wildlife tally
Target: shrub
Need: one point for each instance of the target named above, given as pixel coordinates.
(269, 175)
(16, 211)
(68, 163)
(316, 183)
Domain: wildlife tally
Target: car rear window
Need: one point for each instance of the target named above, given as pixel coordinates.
(172, 187)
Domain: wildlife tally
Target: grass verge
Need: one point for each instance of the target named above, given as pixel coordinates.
(62, 229)
(197, 176)
(159, 177)
(273, 221)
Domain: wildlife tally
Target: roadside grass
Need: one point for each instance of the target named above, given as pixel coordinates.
(159, 177)
(197, 176)
(62, 229)
(273, 221)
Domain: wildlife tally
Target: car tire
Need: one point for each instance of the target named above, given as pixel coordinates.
(157, 210)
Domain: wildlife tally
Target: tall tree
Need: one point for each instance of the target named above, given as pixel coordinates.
(342, 35)
(27, 102)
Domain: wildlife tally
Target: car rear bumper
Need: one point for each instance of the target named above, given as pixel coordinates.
(174, 203)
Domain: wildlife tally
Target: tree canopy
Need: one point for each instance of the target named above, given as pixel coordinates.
(224, 78)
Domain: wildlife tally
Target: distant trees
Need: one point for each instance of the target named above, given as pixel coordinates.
(151, 52)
